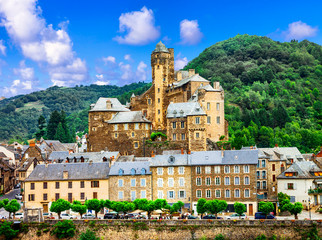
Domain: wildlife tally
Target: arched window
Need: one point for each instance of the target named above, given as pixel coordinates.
(132, 171)
(121, 172)
(143, 171)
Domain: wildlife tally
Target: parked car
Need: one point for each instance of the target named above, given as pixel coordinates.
(109, 216)
(236, 216)
(193, 217)
(209, 216)
(18, 196)
(18, 185)
(260, 215)
(131, 216)
(67, 216)
(48, 216)
(88, 216)
(19, 215)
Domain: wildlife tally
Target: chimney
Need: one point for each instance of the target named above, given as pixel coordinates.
(70, 151)
(51, 145)
(108, 104)
(179, 76)
(189, 152)
(182, 151)
(90, 162)
(46, 164)
(65, 174)
(222, 152)
(276, 145)
(191, 72)
(32, 144)
(216, 85)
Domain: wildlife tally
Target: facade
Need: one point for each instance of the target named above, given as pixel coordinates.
(130, 180)
(7, 176)
(26, 168)
(225, 175)
(168, 100)
(73, 181)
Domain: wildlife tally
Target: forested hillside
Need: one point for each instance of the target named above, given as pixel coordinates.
(19, 115)
(272, 90)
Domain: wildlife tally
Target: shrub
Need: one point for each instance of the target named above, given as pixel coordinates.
(7, 231)
(261, 237)
(219, 237)
(88, 235)
(38, 233)
(64, 229)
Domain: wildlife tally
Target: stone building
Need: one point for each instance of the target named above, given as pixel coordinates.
(73, 181)
(130, 180)
(225, 175)
(163, 103)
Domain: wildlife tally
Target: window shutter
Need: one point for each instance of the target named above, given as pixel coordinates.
(285, 186)
(174, 194)
(294, 186)
(167, 194)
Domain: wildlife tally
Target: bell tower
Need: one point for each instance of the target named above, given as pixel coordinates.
(162, 64)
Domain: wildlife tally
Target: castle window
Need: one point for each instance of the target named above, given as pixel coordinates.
(197, 135)
(197, 119)
(115, 127)
(146, 126)
(208, 119)
(183, 136)
(174, 125)
(149, 101)
(174, 137)
(133, 134)
(182, 124)
(121, 172)
(133, 171)
(126, 126)
(136, 126)
(158, 66)
(218, 120)
(218, 106)
(159, 111)
(208, 106)
(158, 90)
(115, 135)
(136, 144)
(158, 100)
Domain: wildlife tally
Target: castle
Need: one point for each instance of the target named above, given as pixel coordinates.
(181, 104)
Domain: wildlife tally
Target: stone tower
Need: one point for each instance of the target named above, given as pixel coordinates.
(162, 64)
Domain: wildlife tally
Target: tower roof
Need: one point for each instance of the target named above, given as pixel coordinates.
(160, 47)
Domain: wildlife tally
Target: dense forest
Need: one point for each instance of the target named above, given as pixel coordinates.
(272, 90)
(272, 94)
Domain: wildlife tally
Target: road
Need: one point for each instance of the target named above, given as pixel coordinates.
(10, 195)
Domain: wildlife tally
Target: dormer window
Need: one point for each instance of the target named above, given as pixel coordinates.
(121, 172)
(143, 171)
(133, 171)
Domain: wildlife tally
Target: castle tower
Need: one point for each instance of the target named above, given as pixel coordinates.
(162, 64)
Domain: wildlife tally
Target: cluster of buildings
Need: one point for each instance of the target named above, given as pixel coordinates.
(119, 161)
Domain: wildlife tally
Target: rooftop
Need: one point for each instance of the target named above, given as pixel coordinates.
(160, 47)
(129, 117)
(304, 169)
(184, 109)
(193, 78)
(128, 166)
(116, 106)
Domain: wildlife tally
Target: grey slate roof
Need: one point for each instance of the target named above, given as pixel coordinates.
(100, 105)
(55, 155)
(127, 166)
(163, 160)
(56, 145)
(76, 171)
(184, 109)
(88, 156)
(282, 153)
(194, 78)
(303, 170)
(160, 47)
(129, 117)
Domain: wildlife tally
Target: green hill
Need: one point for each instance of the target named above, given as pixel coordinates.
(272, 90)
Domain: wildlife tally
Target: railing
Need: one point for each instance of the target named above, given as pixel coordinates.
(315, 190)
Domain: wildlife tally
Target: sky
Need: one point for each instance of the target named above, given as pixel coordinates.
(69, 43)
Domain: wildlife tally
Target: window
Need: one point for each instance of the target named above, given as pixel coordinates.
(160, 194)
(218, 106)
(290, 186)
(32, 186)
(136, 145)
(237, 193)
(197, 120)
(198, 170)
(143, 194)
(246, 169)
(57, 185)
(120, 182)
(183, 136)
(170, 194)
(181, 170)
(237, 182)
(160, 182)
(198, 181)
(136, 126)
(246, 180)
(159, 111)
(258, 174)
(115, 135)
(133, 171)
(70, 184)
(120, 194)
(197, 135)
(227, 181)
(208, 106)
(292, 199)
(82, 196)
(273, 167)
(45, 197)
(31, 197)
(170, 182)
(258, 164)
(126, 126)
(133, 182)
(198, 193)
(95, 184)
(174, 125)
(208, 119)
(217, 180)
(158, 100)
(149, 101)
(263, 163)
(207, 170)
(181, 182)
(227, 169)
(95, 195)
(227, 193)
(45, 185)
(182, 124)
(56, 196)
(160, 170)
(143, 182)
(247, 193)
(121, 172)
(236, 169)
(258, 185)
(274, 178)
(133, 134)
(115, 127)
(174, 137)
(143, 171)
(146, 126)
(70, 197)
(133, 195)
(218, 193)
(158, 90)
(208, 193)
(264, 184)
(170, 170)
(264, 174)
(208, 181)
(218, 120)
(217, 169)
(182, 194)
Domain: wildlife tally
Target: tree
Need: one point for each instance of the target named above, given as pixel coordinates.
(54, 120)
(124, 207)
(201, 206)
(59, 206)
(283, 199)
(12, 207)
(266, 207)
(145, 205)
(295, 209)
(60, 133)
(176, 207)
(94, 204)
(41, 127)
(88, 235)
(240, 208)
(78, 207)
(216, 206)
(160, 204)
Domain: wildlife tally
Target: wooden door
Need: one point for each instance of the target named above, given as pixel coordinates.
(250, 206)
(45, 206)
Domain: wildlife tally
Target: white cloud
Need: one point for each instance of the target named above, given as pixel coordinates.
(299, 30)
(127, 57)
(99, 76)
(108, 59)
(41, 43)
(180, 62)
(141, 72)
(190, 33)
(138, 27)
(2, 48)
(102, 83)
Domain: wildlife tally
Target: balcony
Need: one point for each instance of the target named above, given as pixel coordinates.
(315, 191)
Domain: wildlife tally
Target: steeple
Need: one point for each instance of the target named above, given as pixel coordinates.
(160, 47)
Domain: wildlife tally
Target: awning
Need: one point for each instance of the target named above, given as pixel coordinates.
(318, 181)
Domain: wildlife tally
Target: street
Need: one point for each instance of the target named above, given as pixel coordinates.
(10, 195)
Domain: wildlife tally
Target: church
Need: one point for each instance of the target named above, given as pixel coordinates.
(180, 104)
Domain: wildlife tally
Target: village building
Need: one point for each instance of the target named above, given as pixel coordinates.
(73, 181)
(7, 176)
(25, 168)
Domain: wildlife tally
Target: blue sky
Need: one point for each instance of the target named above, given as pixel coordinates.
(68, 43)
